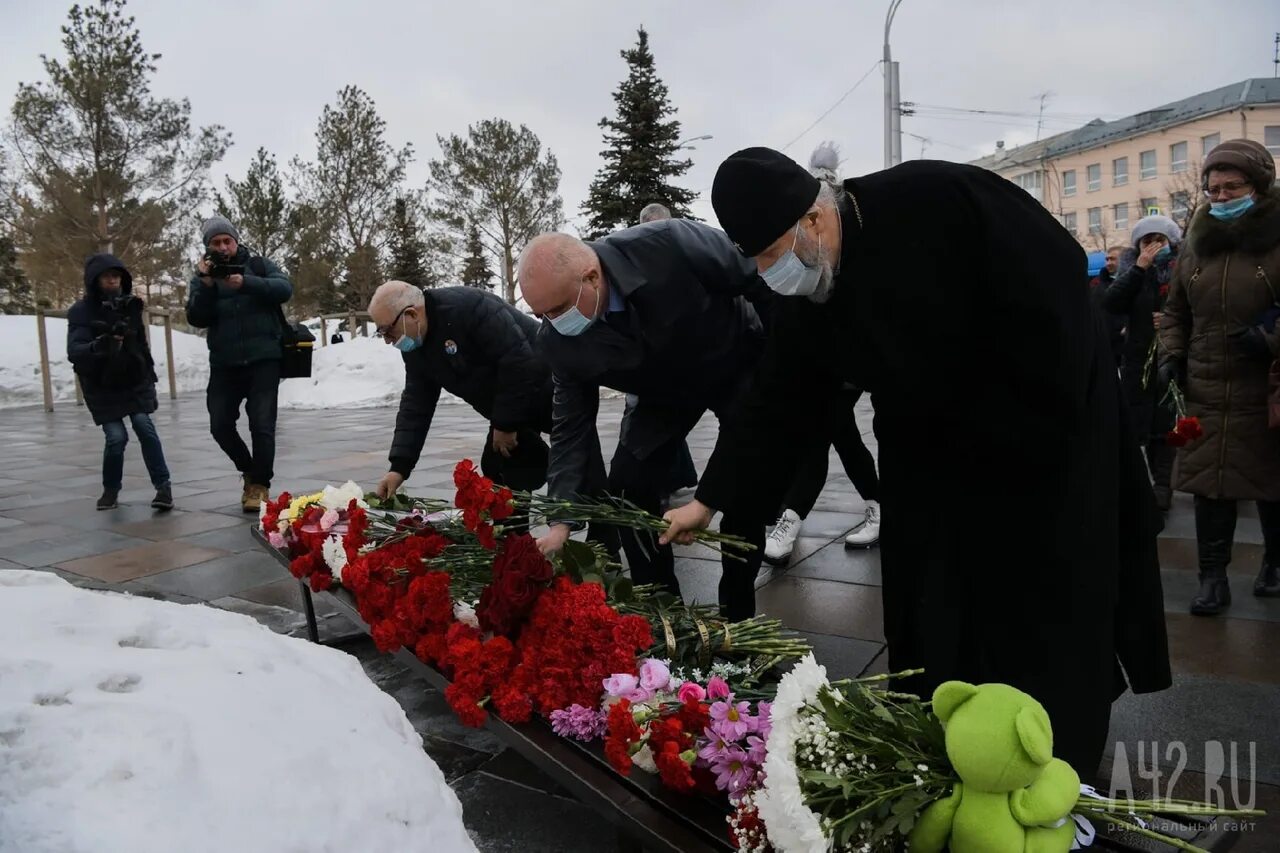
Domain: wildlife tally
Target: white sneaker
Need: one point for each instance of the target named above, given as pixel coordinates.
(778, 547)
(868, 534)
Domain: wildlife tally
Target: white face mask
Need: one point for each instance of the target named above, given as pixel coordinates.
(790, 276)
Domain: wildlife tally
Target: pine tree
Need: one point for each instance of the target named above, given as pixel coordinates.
(476, 271)
(15, 290)
(407, 248)
(258, 206)
(640, 157)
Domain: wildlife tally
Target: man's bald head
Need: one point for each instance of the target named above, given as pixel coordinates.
(389, 305)
(553, 271)
(654, 213)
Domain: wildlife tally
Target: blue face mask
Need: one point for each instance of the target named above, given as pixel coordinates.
(573, 322)
(404, 343)
(1163, 254)
(790, 276)
(1233, 209)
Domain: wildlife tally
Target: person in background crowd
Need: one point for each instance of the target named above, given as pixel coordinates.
(1136, 297)
(108, 347)
(683, 473)
(996, 397)
(236, 296)
(1097, 288)
(1218, 338)
(811, 477)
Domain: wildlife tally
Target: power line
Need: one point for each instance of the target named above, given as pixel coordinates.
(832, 108)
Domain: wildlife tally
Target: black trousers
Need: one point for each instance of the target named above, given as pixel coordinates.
(642, 482)
(1216, 532)
(859, 464)
(257, 385)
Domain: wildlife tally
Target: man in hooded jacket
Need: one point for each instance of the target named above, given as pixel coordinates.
(108, 347)
(984, 354)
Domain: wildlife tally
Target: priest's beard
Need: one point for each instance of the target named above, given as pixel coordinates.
(810, 255)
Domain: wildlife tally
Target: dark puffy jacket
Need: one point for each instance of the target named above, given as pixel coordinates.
(1134, 296)
(243, 324)
(117, 377)
(481, 349)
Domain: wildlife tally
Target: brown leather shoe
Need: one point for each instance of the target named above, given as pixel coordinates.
(253, 497)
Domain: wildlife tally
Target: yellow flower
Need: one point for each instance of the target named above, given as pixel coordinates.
(297, 505)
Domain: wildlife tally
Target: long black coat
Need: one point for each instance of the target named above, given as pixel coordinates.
(118, 378)
(481, 349)
(1134, 295)
(684, 342)
(995, 393)
(1115, 322)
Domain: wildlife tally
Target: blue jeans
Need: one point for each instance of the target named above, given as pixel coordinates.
(113, 454)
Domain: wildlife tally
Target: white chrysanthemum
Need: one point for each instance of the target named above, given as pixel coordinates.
(335, 556)
(342, 497)
(465, 614)
(793, 827)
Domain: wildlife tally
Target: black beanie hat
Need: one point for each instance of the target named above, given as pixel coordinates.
(758, 195)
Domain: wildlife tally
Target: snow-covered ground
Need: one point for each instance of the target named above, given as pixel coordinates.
(130, 725)
(359, 374)
(20, 360)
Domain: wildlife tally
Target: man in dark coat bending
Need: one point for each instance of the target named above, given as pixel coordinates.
(995, 387)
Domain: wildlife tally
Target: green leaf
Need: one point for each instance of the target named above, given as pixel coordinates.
(593, 578)
(622, 589)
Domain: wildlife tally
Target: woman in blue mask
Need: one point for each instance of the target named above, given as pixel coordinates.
(1218, 339)
(1138, 294)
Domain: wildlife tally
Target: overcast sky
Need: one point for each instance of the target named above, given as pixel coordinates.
(748, 73)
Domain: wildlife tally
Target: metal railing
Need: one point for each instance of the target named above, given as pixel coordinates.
(46, 378)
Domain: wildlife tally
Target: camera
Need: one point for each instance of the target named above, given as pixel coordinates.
(222, 266)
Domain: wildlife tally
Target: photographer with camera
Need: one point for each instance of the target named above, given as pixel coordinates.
(236, 296)
(108, 347)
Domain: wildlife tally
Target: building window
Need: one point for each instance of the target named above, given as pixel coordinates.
(1179, 204)
(1120, 213)
(1208, 143)
(1149, 207)
(1094, 176)
(1031, 182)
(1069, 222)
(1095, 220)
(1120, 171)
(1147, 165)
(1069, 182)
(1271, 139)
(1178, 157)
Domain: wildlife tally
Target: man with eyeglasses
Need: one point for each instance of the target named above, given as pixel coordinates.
(472, 344)
(997, 411)
(660, 311)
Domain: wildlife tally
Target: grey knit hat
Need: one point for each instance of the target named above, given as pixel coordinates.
(1156, 225)
(216, 225)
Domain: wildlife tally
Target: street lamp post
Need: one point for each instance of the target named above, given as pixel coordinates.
(685, 143)
(892, 110)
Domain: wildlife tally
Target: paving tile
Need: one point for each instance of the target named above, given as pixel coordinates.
(1240, 649)
(233, 537)
(1181, 587)
(838, 563)
(144, 560)
(1180, 555)
(220, 576)
(49, 552)
(846, 610)
(31, 532)
(502, 815)
(175, 525)
(844, 657)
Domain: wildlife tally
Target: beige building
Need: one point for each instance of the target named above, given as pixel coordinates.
(1101, 178)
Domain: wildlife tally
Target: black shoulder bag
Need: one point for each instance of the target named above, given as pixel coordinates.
(296, 340)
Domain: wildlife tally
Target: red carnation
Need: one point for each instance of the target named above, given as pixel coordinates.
(674, 770)
(465, 705)
(386, 636)
(1190, 427)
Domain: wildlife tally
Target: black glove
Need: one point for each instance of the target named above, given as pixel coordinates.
(1173, 370)
(1251, 343)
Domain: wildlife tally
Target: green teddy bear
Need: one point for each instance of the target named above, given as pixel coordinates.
(1013, 795)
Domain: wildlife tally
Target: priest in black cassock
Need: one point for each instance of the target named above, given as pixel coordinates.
(959, 303)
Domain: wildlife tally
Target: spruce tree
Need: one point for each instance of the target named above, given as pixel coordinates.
(15, 290)
(408, 251)
(640, 159)
(476, 271)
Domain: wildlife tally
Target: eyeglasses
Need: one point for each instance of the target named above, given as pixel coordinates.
(385, 331)
(1228, 187)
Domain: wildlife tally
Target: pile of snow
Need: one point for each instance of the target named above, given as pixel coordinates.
(20, 383)
(361, 373)
(128, 724)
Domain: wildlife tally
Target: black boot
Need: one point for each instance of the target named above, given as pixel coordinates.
(163, 500)
(1160, 462)
(1214, 596)
(1215, 528)
(109, 499)
(1268, 583)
